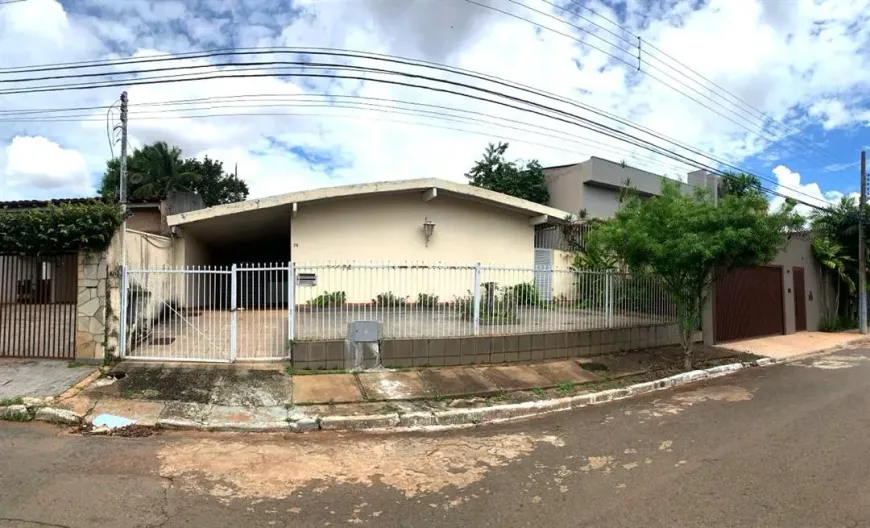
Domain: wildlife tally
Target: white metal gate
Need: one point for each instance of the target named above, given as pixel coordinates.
(207, 313)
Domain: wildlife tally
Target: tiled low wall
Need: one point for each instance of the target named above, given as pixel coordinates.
(491, 349)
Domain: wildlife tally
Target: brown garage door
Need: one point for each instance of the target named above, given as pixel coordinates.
(748, 302)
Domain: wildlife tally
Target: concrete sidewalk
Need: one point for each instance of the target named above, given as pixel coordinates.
(795, 346)
(277, 397)
(266, 396)
(40, 378)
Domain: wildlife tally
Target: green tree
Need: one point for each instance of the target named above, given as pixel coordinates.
(690, 243)
(831, 259)
(839, 226)
(739, 184)
(214, 185)
(522, 180)
(157, 169)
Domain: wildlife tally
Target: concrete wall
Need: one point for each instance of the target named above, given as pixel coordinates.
(390, 229)
(798, 252)
(144, 251)
(491, 349)
(600, 202)
(565, 185)
(92, 306)
(594, 185)
(563, 276)
(146, 220)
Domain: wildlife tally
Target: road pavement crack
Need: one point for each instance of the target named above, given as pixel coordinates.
(36, 523)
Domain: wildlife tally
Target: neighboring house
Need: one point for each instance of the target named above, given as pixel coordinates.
(594, 185)
(148, 214)
(781, 298)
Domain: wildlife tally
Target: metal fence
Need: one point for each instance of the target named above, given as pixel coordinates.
(38, 297)
(422, 300)
(255, 311)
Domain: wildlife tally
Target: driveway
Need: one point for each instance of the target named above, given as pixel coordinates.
(780, 446)
(39, 378)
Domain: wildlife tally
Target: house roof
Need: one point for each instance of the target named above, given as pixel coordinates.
(431, 187)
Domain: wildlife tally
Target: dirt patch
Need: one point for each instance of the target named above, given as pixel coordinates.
(130, 431)
(230, 469)
(220, 386)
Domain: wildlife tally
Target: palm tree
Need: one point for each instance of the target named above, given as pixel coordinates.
(158, 169)
(831, 259)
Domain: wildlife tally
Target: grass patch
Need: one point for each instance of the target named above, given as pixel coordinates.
(594, 367)
(566, 387)
(19, 416)
(539, 392)
(17, 400)
(75, 364)
(389, 408)
(497, 397)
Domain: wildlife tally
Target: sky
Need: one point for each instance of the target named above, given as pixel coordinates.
(775, 87)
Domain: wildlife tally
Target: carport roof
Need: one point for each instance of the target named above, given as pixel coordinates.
(429, 188)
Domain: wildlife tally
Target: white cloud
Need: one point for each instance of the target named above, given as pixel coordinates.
(40, 163)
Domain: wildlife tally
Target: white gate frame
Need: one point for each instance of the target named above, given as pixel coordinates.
(123, 326)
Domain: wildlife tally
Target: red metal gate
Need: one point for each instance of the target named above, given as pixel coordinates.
(800, 299)
(38, 306)
(748, 302)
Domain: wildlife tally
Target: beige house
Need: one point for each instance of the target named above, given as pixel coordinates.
(424, 221)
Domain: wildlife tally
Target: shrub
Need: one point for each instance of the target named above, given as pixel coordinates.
(834, 323)
(59, 228)
(502, 311)
(526, 294)
(328, 299)
(389, 299)
(427, 300)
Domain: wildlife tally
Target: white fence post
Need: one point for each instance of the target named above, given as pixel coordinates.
(608, 297)
(233, 313)
(476, 299)
(122, 316)
(291, 307)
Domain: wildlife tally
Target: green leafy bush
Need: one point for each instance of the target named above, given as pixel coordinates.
(328, 300)
(59, 228)
(526, 294)
(389, 300)
(836, 323)
(427, 300)
(503, 309)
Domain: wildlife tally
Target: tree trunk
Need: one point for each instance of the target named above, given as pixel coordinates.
(686, 341)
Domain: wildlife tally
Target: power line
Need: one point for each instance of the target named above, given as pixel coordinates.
(540, 130)
(592, 125)
(391, 59)
(734, 99)
(759, 131)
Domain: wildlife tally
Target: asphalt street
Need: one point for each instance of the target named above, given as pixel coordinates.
(779, 446)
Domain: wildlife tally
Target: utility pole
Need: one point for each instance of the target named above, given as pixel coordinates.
(123, 184)
(862, 250)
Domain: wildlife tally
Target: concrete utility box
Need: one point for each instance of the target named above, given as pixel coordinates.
(364, 331)
(362, 346)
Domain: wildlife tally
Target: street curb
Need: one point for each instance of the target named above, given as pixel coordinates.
(422, 420)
